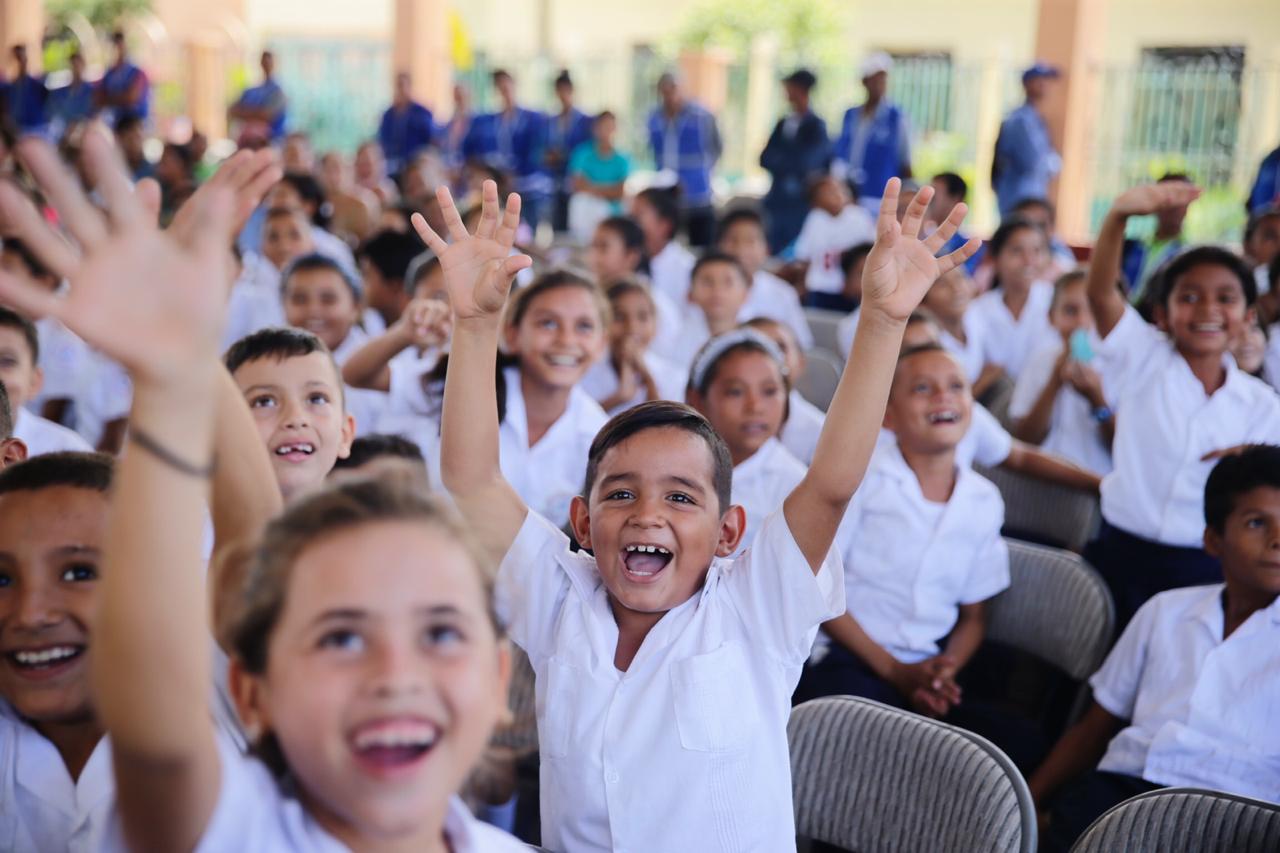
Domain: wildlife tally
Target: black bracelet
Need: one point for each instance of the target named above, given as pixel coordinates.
(167, 456)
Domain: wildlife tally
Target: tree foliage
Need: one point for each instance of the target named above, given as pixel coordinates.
(102, 14)
(802, 27)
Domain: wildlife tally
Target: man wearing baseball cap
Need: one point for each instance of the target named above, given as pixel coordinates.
(1025, 159)
(874, 143)
(798, 150)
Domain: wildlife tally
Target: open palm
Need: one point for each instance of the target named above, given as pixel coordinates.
(901, 267)
(478, 268)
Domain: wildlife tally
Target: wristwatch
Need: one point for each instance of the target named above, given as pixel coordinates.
(1102, 414)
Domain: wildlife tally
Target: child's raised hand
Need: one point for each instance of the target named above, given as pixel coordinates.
(246, 175)
(478, 268)
(153, 301)
(426, 323)
(1151, 198)
(901, 267)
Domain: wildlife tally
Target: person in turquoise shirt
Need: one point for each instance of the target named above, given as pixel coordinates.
(597, 168)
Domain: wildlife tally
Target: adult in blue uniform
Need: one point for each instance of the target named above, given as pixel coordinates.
(25, 94)
(72, 103)
(798, 150)
(875, 138)
(262, 108)
(1266, 187)
(1025, 159)
(407, 126)
(686, 143)
(566, 130)
(124, 89)
(513, 140)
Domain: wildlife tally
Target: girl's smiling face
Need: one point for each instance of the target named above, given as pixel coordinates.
(559, 337)
(320, 301)
(746, 401)
(1022, 259)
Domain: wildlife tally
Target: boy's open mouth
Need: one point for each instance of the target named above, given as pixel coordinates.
(389, 746)
(946, 416)
(642, 562)
(45, 662)
(295, 452)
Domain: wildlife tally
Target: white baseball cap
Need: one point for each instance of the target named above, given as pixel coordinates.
(875, 63)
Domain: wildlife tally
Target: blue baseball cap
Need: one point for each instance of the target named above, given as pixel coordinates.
(1040, 69)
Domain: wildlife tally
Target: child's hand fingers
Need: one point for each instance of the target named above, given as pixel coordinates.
(947, 229)
(428, 234)
(452, 220)
(947, 263)
(106, 168)
(914, 217)
(23, 221)
(515, 264)
(148, 190)
(506, 235)
(887, 221)
(488, 211)
(28, 298)
(259, 174)
(62, 189)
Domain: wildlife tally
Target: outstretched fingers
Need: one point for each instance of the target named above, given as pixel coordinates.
(506, 235)
(914, 217)
(21, 219)
(30, 299)
(452, 219)
(106, 168)
(488, 211)
(887, 228)
(428, 234)
(63, 190)
(947, 229)
(514, 264)
(948, 262)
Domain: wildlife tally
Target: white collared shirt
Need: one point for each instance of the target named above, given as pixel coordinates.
(601, 381)
(1008, 341)
(41, 807)
(255, 300)
(804, 425)
(1073, 430)
(823, 238)
(985, 441)
(773, 298)
(910, 562)
(1165, 424)
(64, 358)
(694, 334)
(44, 436)
(106, 394)
(1202, 710)
(762, 482)
(687, 749)
(971, 352)
(670, 271)
(368, 406)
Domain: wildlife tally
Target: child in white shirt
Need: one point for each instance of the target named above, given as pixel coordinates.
(1058, 402)
(1180, 403)
(657, 213)
(1014, 314)
(656, 659)
(741, 234)
(22, 378)
(617, 253)
(739, 384)
(1188, 695)
(719, 290)
(804, 419)
(631, 372)
(922, 552)
(960, 330)
(833, 225)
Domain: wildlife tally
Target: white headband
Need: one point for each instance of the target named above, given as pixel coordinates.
(717, 346)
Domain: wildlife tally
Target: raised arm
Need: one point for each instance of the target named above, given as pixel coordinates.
(1105, 300)
(898, 272)
(478, 269)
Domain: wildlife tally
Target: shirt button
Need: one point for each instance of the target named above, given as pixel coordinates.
(611, 776)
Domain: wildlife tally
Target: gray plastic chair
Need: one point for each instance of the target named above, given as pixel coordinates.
(871, 778)
(820, 378)
(1045, 512)
(1185, 820)
(997, 399)
(823, 325)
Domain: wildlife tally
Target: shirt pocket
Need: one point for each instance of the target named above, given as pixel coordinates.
(711, 714)
(557, 712)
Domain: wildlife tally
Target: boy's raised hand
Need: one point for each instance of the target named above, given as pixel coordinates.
(1152, 198)
(478, 268)
(901, 267)
(153, 301)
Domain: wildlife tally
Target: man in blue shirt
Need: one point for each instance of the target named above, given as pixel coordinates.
(798, 150)
(73, 103)
(406, 128)
(25, 94)
(565, 131)
(261, 108)
(124, 89)
(1025, 160)
(1266, 188)
(686, 144)
(875, 139)
(513, 140)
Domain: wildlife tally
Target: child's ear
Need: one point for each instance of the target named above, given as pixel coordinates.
(250, 694)
(733, 526)
(1161, 318)
(580, 521)
(348, 435)
(12, 451)
(1212, 542)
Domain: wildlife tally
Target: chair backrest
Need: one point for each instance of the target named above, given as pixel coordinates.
(1044, 512)
(823, 324)
(1185, 820)
(1056, 607)
(997, 399)
(821, 376)
(868, 777)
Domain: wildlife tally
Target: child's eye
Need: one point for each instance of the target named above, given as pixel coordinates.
(342, 639)
(681, 498)
(263, 401)
(8, 363)
(443, 635)
(586, 327)
(1253, 523)
(920, 388)
(318, 398)
(79, 573)
(5, 580)
(619, 495)
(546, 324)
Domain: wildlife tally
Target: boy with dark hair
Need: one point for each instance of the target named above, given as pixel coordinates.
(742, 235)
(718, 290)
(949, 189)
(384, 261)
(1188, 695)
(368, 452)
(22, 377)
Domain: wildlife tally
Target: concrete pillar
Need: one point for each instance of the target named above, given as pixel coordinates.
(705, 75)
(762, 90)
(1071, 35)
(421, 47)
(22, 22)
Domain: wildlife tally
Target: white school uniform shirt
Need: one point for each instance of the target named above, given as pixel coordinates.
(773, 298)
(762, 482)
(846, 330)
(804, 425)
(1073, 431)
(1009, 342)
(601, 381)
(1271, 360)
(41, 807)
(106, 395)
(972, 351)
(367, 405)
(823, 238)
(44, 436)
(1165, 424)
(64, 358)
(705, 701)
(667, 320)
(694, 334)
(409, 414)
(253, 815)
(910, 562)
(670, 271)
(255, 300)
(1202, 710)
(985, 442)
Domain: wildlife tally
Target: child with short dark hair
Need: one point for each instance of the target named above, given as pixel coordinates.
(22, 377)
(1014, 314)
(632, 372)
(718, 291)
(1180, 404)
(382, 455)
(1188, 695)
(617, 253)
(657, 212)
(741, 234)
(384, 261)
(649, 617)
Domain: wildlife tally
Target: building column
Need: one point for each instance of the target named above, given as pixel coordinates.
(421, 48)
(22, 22)
(1071, 35)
